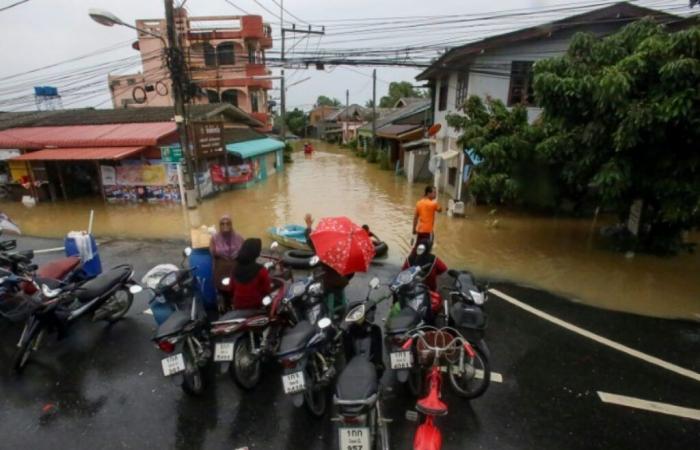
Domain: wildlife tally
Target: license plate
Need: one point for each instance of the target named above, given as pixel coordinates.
(401, 360)
(173, 364)
(293, 383)
(354, 438)
(223, 352)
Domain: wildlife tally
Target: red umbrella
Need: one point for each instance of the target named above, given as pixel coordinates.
(342, 245)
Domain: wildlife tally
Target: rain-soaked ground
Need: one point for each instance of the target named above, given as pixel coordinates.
(102, 387)
(562, 255)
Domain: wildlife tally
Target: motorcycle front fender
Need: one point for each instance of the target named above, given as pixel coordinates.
(484, 348)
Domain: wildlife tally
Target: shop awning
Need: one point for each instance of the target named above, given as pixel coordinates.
(113, 135)
(249, 149)
(80, 154)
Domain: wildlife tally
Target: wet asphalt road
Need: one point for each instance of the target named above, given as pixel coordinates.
(102, 387)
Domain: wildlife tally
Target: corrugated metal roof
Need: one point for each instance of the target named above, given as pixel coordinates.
(249, 149)
(79, 154)
(394, 131)
(129, 134)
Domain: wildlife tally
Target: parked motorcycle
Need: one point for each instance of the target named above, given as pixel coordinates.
(308, 351)
(357, 398)
(184, 331)
(433, 347)
(106, 297)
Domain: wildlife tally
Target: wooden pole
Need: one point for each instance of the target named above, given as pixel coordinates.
(61, 181)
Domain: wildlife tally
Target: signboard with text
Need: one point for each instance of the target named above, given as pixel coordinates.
(171, 153)
(208, 139)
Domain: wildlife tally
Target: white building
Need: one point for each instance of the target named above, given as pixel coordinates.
(501, 67)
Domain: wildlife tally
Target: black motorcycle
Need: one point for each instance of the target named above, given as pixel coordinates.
(106, 297)
(357, 395)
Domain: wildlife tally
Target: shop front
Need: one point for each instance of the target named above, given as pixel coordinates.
(250, 162)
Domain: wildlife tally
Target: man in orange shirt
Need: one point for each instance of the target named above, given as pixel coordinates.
(424, 219)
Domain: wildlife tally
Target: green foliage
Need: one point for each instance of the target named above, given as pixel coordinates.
(287, 152)
(372, 155)
(384, 160)
(296, 121)
(369, 103)
(621, 115)
(322, 100)
(398, 90)
(352, 143)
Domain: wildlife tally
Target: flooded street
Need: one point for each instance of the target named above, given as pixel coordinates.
(560, 255)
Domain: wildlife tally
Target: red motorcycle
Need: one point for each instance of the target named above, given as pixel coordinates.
(436, 346)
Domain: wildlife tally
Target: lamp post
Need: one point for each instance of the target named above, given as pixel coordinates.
(283, 94)
(176, 70)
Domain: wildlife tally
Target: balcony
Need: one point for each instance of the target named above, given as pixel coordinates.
(255, 70)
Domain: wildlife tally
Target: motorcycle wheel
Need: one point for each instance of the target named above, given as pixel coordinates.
(314, 399)
(192, 377)
(118, 305)
(26, 347)
(245, 367)
(466, 384)
(416, 382)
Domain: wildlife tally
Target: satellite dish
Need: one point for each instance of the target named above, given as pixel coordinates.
(433, 130)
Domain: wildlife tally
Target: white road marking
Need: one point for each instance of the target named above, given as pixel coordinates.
(495, 376)
(49, 250)
(600, 339)
(647, 405)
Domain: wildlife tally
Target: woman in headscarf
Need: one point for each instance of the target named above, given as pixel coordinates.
(251, 281)
(437, 267)
(224, 248)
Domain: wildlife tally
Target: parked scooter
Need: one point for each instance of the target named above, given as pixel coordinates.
(106, 297)
(357, 396)
(309, 350)
(184, 331)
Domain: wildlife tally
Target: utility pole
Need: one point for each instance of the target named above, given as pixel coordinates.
(283, 93)
(374, 107)
(347, 115)
(176, 66)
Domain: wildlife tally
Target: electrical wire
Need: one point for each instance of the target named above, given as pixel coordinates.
(5, 8)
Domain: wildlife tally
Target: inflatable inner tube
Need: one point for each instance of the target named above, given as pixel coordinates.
(380, 249)
(297, 259)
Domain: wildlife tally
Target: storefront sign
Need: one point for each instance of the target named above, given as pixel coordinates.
(207, 139)
(238, 174)
(142, 175)
(109, 175)
(171, 153)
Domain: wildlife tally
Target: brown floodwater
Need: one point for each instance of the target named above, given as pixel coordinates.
(562, 255)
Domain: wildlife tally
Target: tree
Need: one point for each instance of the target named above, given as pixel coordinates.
(369, 103)
(398, 90)
(621, 119)
(322, 100)
(296, 121)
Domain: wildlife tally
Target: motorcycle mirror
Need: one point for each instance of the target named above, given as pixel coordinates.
(267, 301)
(274, 246)
(420, 249)
(187, 251)
(374, 283)
(135, 289)
(324, 323)
(226, 281)
(314, 261)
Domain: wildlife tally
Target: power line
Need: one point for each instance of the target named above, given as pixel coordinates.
(237, 7)
(287, 11)
(13, 5)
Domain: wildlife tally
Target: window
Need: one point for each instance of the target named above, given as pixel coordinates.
(462, 90)
(230, 96)
(254, 101)
(251, 54)
(225, 54)
(452, 176)
(442, 101)
(213, 96)
(521, 89)
(130, 81)
(209, 55)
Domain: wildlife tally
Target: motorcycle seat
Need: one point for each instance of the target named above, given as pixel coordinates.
(58, 269)
(240, 314)
(102, 284)
(358, 381)
(172, 325)
(295, 338)
(405, 320)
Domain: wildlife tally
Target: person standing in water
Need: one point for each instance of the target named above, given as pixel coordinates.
(424, 217)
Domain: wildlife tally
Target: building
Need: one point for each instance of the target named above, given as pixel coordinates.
(130, 155)
(344, 123)
(318, 120)
(226, 60)
(500, 67)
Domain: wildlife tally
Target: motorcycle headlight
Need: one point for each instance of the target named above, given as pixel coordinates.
(168, 281)
(356, 314)
(478, 297)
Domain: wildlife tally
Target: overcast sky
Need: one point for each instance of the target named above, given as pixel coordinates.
(42, 32)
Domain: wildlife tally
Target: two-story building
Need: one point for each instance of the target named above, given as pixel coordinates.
(225, 56)
(501, 67)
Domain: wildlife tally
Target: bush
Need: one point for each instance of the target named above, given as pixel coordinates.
(372, 155)
(287, 152)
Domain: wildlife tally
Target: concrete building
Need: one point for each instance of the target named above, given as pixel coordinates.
(225, 56)
(500, 67)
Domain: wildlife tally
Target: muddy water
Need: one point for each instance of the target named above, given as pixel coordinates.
(560, 255)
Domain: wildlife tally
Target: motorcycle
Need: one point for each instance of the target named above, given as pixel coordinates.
(183, 332)
(434, 346)
(106, 297)
(357, 398)
(308, 351)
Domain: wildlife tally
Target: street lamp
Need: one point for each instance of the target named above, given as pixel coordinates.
(108, 19)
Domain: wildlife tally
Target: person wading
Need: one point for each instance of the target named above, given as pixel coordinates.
(424, 218)
(224, 248)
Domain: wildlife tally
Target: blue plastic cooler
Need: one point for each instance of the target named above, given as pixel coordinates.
(91, 267)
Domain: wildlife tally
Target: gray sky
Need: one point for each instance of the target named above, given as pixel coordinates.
(43, 32)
